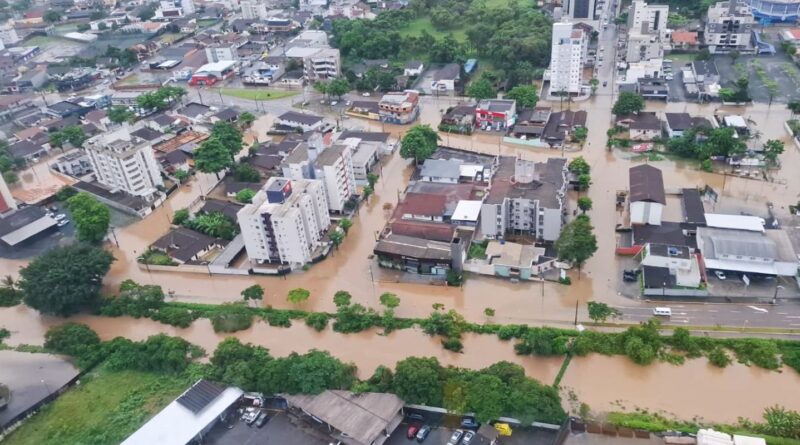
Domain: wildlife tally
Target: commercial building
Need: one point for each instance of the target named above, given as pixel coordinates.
(567, 59)
(647, 197)
(399, 108)
(526, 197)
(729, 26)
(775, 10)
(124, 162)
(211, 73)
(285, 222)
(319, 63)
(496, 114)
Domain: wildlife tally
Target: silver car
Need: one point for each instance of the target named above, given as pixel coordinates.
(455, 438)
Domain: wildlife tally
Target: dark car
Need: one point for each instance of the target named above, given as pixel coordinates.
(415, 417)
(412, 430)
(628, 277)
(605, 84)
(262, 420)
(470, 423)
(423, 432)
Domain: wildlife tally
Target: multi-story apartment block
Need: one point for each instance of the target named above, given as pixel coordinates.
(399, 108)
(221, 53)
(123, 162)
(729, 27)
(254, 10)
(285, 222)
(567, 59)
(579, 9)
(647, 31)
(526, 197)
(319, 60)
(334, 167)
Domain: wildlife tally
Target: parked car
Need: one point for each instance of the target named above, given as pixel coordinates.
(335, 102)
(60, 216)
(455, 438)
(469, 423)
(468, 436)
(605, 84)
(365, 94)
(261, 420)
(63, 223)
(423, 432)
(413, 429)
(720, 274)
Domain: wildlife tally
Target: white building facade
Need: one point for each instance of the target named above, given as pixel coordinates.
(567, 59)
(285, 222)
(122, 162)
(334, 167)
(254, 10)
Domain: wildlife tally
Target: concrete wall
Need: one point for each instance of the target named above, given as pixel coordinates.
(643, 212)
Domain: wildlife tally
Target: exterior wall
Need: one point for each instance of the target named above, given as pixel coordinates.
(492, 220)
(221, 54)
(551, 227)
(254, 10)
(439, 179)
(644, 135)
(566, 61)
(137, 174)
(643, 212)
(339, 181)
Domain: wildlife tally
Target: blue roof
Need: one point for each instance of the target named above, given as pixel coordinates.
(470, 65)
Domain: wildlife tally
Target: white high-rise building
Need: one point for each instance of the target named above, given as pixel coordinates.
(123, 162)
(285, 221)
(567, 58)
(188, 7)
(254, 10)
(334, 167)
(647, 19)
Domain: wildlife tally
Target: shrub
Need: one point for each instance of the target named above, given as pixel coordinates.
(10, 297)
(543, 341)
(354, 318)
(231, 317)
(453, 344)
(317, 321)
(760, 352)
(509, 331)
(159, 353)
(719, 358)
(65, 193)
(134, 299)
(76, 340)
(278, 319)
(180, 217)
(174, 316)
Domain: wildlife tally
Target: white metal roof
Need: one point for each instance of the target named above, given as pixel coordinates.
(747, 440)
(470, 170)
(467, 210)
(177, 425)
(740, 222)
(28, 230)
(216, 66)
(711, 437)
(735, 121)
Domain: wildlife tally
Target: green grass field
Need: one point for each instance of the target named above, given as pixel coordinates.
(106, 408)
(415, 28)
(257, 93)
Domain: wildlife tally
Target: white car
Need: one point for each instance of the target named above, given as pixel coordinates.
(365, 94)
(334, 103)
(720, 274)
(63, 223)
(60, 216)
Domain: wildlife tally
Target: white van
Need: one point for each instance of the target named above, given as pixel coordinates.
(662, 311)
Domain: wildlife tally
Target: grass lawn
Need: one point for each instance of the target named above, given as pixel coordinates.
(106, 408)
(169, 38)
(133, 79)
(416, 26)
(257, 93)
(49, 41)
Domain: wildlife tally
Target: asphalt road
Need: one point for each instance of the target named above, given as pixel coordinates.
(785, 314)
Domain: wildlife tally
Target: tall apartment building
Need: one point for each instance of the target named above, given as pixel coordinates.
(526, 197)
(285, 221)
(334, 167)
(579, 9)
(567, 58)
(729, 27)
(123, 162)
(647, 31)
(254, 10)
(221, 53)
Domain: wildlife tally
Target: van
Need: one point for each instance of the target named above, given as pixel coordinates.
(662, 311)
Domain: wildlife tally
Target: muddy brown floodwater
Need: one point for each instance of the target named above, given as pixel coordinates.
(605, 383)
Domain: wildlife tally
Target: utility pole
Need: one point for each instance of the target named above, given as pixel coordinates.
(576, 312)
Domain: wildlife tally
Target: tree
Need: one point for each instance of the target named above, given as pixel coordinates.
(336, 237)
(246, 173)
(342, 298)
(594, 83)
(245, 196)
(417, 380)
(372, 179)
(628, 103)
(419, 143)
(66, 279)
(338, 87)
(486, 397)
(73, 339)
(74, 135)
(734, 54)
(119, 114)
(489, 312)
(772, 149)
(321, 87)
(180, 217)
(794, 106)
(525, 95)
(181, 175)
(600, 312)
(254, 292)
(92, 217)
(346, 224)
(481, 89)
(703, 54)
(212, 157)
(584, 181)
(147, 12)
(297, 296)
(51, 16)
(577, 243)
(228, 135)
(390, 300)
(585, 203)
(246, 119)
(579, 166)
(580, 134)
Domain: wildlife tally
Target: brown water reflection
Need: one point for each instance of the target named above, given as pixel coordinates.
(695, 389)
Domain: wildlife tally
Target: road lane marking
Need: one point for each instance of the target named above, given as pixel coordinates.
(759, 309)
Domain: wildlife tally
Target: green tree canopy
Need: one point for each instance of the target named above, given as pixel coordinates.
(585, 203)
(772, 149)
(600, 312)
(64, 280)
(579, 166)
(119, 114)
(212, 157)
(228, 135)
(525, 95)
(418, 380)
(338, 87)
(628, 103)
(389, 300)
(254, 292)
(577, 242)
(342, 298)
(246, 119)
(481, 89)
(419, 143)
(92, 217)
(245, 196)
(297, 296)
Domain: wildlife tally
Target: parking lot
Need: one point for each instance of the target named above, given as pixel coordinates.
(778, 68)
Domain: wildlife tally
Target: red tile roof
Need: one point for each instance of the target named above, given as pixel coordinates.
(423, 204)
(687, 37)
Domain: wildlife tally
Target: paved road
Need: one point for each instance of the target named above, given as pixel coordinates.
(786, 314)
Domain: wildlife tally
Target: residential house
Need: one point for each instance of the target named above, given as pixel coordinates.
(302, 121)
(657, 89)
(526, 197)
(684, 40)
(399, 108)
(677, 123)
(27, 151)
(441, 171)
(531, 123)
(184, 245)
(705, 71)
(459, 119)
(561, 125)
(413, 68)
(642, 126)
(647, 197)
(446, 79)
(496, 114)
(364, 108)
(385, 145)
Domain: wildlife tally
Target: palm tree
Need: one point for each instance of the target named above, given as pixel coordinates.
(8, 282)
